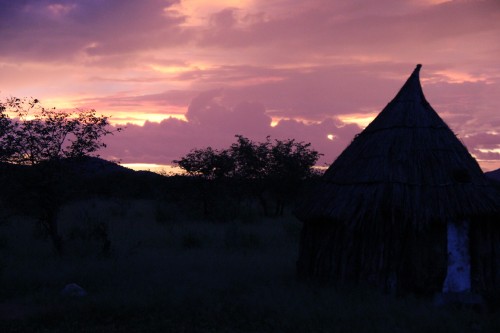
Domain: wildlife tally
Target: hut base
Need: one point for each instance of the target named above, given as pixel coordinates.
(461, 300)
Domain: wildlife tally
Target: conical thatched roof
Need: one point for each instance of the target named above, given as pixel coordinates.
(408, 164)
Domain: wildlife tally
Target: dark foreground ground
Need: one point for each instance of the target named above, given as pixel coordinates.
(165, 274)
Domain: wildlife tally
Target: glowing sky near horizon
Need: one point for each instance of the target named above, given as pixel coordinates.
(190, 73)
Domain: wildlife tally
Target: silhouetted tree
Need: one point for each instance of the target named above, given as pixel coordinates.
(290, 162)
(251, 159)
(30, 133)
(41, 137)
(277, 167)
(207, 163)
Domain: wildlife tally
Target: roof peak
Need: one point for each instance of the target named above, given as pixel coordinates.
(408, 108)
(416, 71)
(406, 159)
(411, 90)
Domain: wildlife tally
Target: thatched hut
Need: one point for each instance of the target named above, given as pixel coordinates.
(405, 207)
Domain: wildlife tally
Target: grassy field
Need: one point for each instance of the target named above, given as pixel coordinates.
(168, 274)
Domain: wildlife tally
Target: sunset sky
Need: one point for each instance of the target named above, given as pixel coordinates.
(193, 73)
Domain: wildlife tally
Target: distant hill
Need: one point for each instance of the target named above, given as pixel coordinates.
(76, 178)
(83, 166)
(89, 167)
(495, 175)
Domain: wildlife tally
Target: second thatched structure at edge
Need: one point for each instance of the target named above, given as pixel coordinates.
(405, 208)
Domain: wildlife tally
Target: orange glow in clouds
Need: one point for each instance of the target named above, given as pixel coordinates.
(198, 12)
(457, 77)
(158, 168)
(125, 118)
(177, 69)
(361, 119)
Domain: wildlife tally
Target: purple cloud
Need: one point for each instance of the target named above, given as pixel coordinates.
(212, 124)
(234, 69)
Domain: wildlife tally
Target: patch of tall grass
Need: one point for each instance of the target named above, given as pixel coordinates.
(168, 274)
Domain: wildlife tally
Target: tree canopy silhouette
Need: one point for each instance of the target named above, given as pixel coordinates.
(40, 137)
(31, 133)
(245, 159)
(271, 167)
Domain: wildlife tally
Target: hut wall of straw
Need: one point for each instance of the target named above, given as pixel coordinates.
(379, 214)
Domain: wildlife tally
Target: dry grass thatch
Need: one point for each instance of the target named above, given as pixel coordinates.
(407, 162)
(379, 213)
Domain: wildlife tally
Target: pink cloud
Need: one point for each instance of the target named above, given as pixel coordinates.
(212, 124)
(215, 116)
(231, 69)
